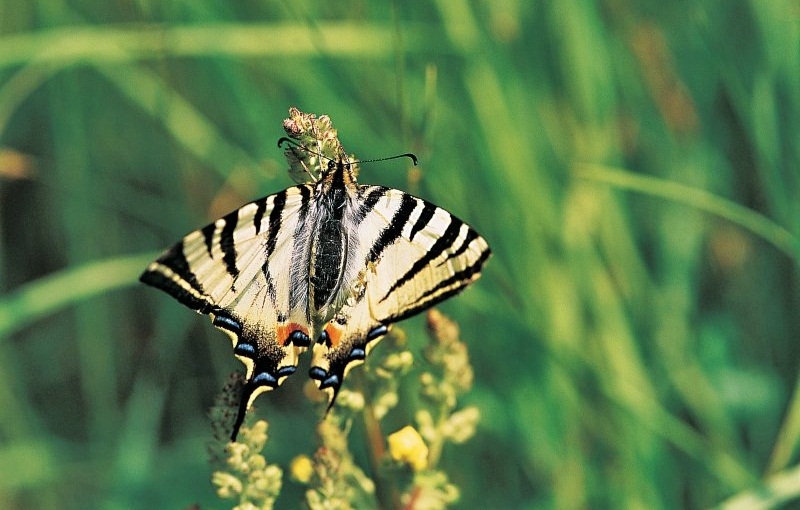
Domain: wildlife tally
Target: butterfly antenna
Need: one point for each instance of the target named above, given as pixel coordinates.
(289, 141)
(295, 144)
(409, 155)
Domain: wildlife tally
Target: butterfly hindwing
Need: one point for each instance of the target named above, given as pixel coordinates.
(343, 344)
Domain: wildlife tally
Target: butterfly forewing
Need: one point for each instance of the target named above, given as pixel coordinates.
(435, 256)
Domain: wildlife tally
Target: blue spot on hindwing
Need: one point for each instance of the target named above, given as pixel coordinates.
(358, 353)
(265, 378)
(245, 349)
(227, 323)
(299, 338)
(377, 332)
(332, 381)
(287, 370)
(317, 373)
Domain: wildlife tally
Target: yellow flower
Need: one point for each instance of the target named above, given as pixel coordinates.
(407, 446)
(301, 468)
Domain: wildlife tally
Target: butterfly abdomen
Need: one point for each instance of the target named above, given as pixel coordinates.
(328, 249)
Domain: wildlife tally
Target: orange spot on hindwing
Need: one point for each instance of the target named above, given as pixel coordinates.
(285, 331)
(334, 335)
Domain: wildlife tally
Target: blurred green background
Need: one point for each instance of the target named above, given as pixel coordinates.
(634, 166)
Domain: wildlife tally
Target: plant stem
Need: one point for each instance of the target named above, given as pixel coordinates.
(436, 446)
(387, 494)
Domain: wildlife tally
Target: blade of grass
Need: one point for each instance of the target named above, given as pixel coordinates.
(66, 46)
(759, 225)
(188, 126)
(778, 489)
(748, 219)
(56, 291)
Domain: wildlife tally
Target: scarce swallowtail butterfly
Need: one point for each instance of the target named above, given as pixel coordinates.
(328, 265)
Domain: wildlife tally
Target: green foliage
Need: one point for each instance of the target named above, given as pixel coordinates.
(634, 168)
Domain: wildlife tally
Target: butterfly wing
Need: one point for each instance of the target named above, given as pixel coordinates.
(422, 256)
(242, 271)
(406, 255)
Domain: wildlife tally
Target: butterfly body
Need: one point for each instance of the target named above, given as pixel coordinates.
(327, 266)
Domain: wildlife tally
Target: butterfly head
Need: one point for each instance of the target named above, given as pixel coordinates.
(328, 163)
(339, 174)
(318, 161)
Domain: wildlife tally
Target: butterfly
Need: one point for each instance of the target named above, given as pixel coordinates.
(327, 265)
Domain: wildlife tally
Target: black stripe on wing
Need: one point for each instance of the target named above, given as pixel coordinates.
(261, 207)
(227, 244)
(275, 215)
(395, 227)
(471, 236)
(424, 218)
(208, 237)
(446, 288)
(371, 198)
(278, 203)
(440, 246)
(171, 273)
